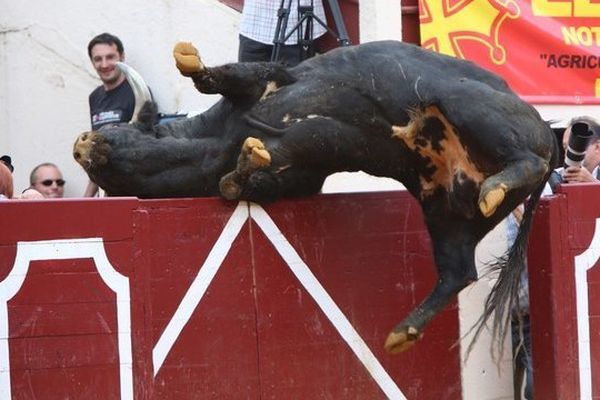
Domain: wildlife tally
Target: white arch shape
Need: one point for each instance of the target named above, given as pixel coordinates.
(583, 263)
(62, 250)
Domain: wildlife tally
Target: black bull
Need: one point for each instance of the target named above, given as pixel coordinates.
(465, 146)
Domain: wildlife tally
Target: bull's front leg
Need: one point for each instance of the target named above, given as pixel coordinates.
(454, 256)
(238, 81)
(259, 178)
(296, 160)
(253, 156)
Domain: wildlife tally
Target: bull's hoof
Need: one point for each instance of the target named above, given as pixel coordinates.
(90, 149)
(187, 59)
(258, 156)
(229, 188)
(253, 156)
(401, 340)
(489, 202)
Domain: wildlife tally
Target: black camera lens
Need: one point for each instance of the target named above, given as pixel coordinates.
(578, 142)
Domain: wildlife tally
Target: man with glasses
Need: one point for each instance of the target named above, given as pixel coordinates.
(47, 179)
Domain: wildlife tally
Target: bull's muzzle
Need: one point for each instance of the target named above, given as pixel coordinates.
(91, 149)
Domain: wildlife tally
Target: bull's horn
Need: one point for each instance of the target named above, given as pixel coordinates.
(140, 89)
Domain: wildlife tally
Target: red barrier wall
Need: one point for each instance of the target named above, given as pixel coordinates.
(201, 298)
(564, 286)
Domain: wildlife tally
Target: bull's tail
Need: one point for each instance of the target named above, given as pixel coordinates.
(504, 294)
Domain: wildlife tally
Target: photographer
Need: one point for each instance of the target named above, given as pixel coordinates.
(581, 141)
(582, 154)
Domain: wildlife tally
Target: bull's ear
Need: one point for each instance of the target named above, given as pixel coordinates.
(141, 91)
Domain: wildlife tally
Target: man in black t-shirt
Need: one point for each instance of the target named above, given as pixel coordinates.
(113, 101)
(111, 106)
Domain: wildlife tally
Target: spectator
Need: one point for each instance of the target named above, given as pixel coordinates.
(30, 194)
(588, 172)
(8, 162)
(6, 182)
(47, 179)
(258, 25)
(113, 101)
(591, 160)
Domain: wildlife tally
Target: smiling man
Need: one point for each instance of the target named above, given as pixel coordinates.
(113, 101)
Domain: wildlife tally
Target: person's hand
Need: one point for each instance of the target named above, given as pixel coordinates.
(30, 194)
(577, 174)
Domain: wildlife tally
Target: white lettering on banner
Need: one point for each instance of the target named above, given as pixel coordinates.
(583, 263)
(302, 272)
(63, 250)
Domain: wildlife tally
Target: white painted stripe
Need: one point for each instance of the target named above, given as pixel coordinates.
(584, 262)
(326, 303)
(63, 250)
(120, 285)
(199, 286)
(5, 390)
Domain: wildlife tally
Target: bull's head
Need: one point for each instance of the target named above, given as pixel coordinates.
(185, 157)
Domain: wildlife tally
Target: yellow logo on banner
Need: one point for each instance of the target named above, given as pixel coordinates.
(446, 23)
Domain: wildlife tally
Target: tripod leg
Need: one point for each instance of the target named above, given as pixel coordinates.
(283, 15)
(342, 34)
(306, 36)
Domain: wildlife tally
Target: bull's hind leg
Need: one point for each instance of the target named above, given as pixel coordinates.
(529, 171)
(455, 262)
(239, 81)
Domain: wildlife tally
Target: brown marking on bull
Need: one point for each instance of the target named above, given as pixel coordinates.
(270, 88)
(287, 118)
(427, 187)
(283, 168)
(448, 158)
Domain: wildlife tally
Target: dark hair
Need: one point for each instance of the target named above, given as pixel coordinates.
(8, 162)
(105, 38)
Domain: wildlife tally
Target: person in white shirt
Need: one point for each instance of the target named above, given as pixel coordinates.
(258, 26)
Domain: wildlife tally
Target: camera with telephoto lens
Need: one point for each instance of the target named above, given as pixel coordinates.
(578, 143)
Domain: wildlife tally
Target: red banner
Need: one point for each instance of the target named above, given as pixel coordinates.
(547, 50)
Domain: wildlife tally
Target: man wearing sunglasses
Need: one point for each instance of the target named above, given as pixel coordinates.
(47, 179)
